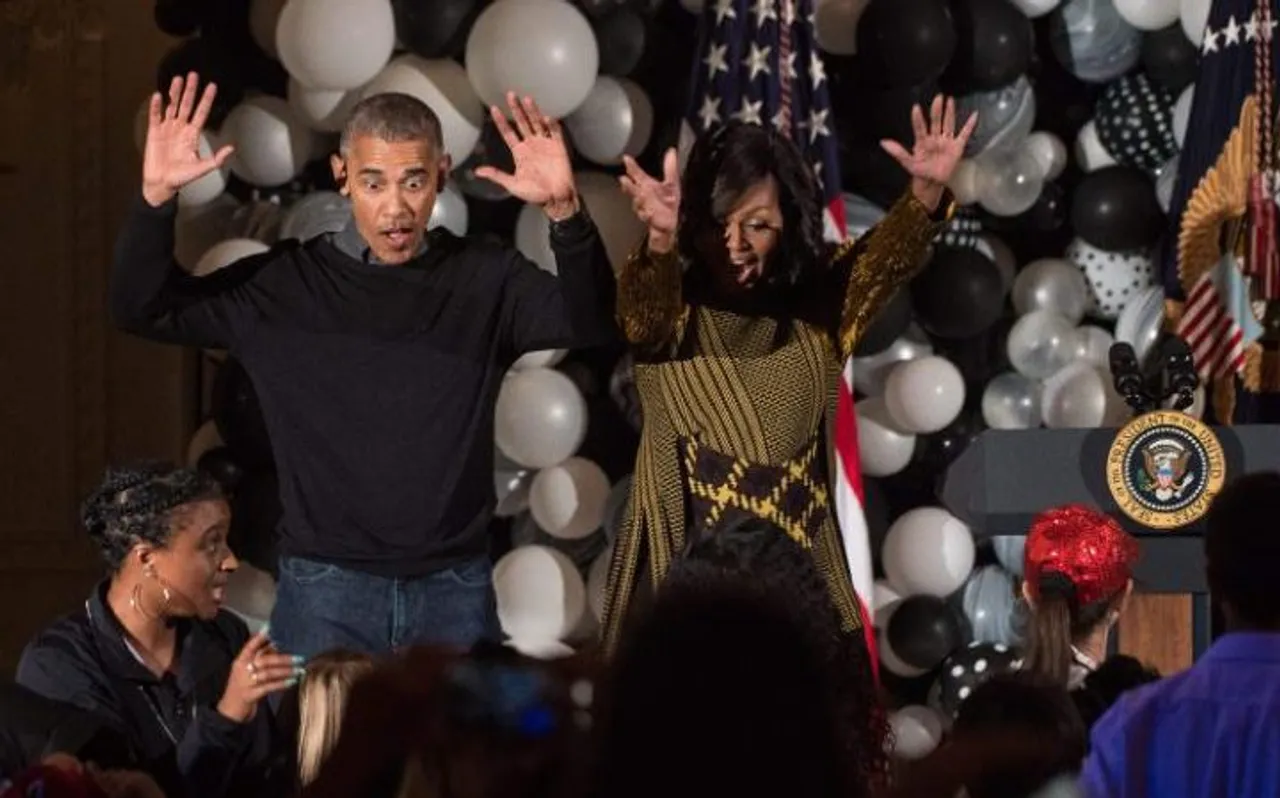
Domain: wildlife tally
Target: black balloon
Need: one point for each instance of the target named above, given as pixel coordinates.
(1049, 213)
(923, 630)
(214, 65)
(434, 28)
(994, 43)
(238, 416)
(960, 293)
(255, 520)
(1170, 58)
(887, 326)
(1115, 209)
(620, 37)
(967, 668)
(936, 451)
(179, 17)
(906, 42)
(981, 357)
(871, 114)
(868, 170)
(221, 464)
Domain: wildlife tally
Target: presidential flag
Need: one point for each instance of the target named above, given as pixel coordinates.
(758, 62)
(1238, 57)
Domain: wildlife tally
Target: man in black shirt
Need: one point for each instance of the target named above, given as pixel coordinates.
(377, 354)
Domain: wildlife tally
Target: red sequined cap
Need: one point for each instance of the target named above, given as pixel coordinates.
(1088, 547)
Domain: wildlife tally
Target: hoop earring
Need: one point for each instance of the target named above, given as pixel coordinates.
(135, 601)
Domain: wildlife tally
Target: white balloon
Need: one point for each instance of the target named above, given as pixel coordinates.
(1040, 343)
(870, 373)
(544, 49)
(443, 85)
(199, 227)
(1093, 345)
(206, 438)
(1036, 8)
(927, 551)
(1011, 401)
(450, 211)
(205, 189)
(539, 359)
(1081, 396)
(541, 418)
(883, 449)
(250, 593)
(1194, 16)
(1090, 154)
(1182, 114)
(533, 237)
(322, 110)
(1166, 180)
(1141, 320)
(272, 143)
(1048, 151)
(335, 44)
(567, 500)
(965, 181)
(1148, 15)
(315, 214)
(1051, 284)
(883, 596)
(540, 595)
(924, 395)
(615, 119)
(619, 228)
(226, 253)
(835, 24)
(917, 730)
(1009, 182)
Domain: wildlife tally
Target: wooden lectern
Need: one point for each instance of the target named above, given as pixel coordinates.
(1005, 477)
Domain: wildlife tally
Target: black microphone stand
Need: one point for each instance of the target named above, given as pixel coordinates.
(1176, 379)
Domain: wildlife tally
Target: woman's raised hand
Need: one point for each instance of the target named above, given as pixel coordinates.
(257, 672)
(656, 202)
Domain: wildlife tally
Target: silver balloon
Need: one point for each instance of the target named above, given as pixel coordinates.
(1051, 284)
(449, 212)
(512, 488)
(1140, 321)
(1080, 396)
(1009, 182)
(316, 214)
(869, 373)
(1093, 345)
(1093, 41)
(1040, 343)
(860, 215)
(989, 599)
(1166, 179)
(1005, 116)
(1011, 401)
(1009, 551)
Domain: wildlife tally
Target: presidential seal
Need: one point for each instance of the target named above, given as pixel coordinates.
(1164, 469)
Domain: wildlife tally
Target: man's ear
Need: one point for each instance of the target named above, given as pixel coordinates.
(442, 172)
(339, 168)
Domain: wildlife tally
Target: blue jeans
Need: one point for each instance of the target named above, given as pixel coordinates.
(320, 606)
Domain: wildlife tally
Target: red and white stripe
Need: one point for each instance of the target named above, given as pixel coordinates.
(849, 509)
(1215, 338)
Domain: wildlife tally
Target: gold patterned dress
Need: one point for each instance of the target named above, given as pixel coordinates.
(735, 406)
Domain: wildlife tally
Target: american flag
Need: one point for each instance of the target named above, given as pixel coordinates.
(758, 62)
(1237, 60)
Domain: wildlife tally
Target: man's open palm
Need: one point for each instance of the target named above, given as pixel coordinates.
(171, 156)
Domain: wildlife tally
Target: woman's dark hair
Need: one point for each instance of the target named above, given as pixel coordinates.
(135, 504)
(1019, 702)
(756, 565)
(1055, 623)
(1241, 550)
(723, 166)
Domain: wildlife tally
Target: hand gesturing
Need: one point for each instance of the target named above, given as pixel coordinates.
(171, 156)
(656, 202)
(543, 175)
(937, 148)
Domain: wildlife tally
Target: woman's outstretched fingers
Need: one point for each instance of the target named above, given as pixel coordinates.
(935, 115)
(918, 126)
(949, 118)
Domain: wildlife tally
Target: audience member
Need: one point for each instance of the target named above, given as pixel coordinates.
(322, 703)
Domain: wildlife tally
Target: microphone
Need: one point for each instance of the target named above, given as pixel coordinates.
(1181, 367)
(1127, 376)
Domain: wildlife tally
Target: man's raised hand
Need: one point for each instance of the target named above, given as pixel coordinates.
(171, 156)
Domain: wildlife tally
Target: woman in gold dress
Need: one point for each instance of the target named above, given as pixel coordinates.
(739, 317)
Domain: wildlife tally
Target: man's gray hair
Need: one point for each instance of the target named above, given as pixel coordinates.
(392, 117)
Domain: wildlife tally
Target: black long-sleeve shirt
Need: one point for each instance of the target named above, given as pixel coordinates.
(377, 383)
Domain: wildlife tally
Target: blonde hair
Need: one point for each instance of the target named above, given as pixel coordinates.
(322, 701)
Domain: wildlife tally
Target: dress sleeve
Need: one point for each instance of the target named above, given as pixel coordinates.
(651, 307)
(868, 270)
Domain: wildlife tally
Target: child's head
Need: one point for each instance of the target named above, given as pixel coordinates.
(322, 701)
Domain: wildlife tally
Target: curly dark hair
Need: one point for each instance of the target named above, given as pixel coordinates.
(1240, 550)
(135, 503)
(723, 165)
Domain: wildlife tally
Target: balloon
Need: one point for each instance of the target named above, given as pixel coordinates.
(322, 110)
(1093, 345)
(907, 42)
(225, 253)
(964, 182)
(1049, 152)
(1011, 401)
(1036, 8)
(220, 464)
(1182, 114)
(1089, 153)
(916, 731)
(924, 630)
(936, 451)
(1006, 262)
(615, 119)
(620, 36)
(335, 44)
(316, 214)
(924, 395)
(1194, 16)
(1051, 284)
(1148, 15)
(214, 64)
(449, 212)
(1009, 182)
(539, 48)
(1093, 41)
(512, 490)
(1115, 209)
(1048, 214)
(568, 500)
(541, 418)
(967, 668)
(959, 294)
(436, 29)
(1140, 322)
(886, 326)
(443, 85)
(989, 599)
(1114, 277)
(883, 449)
(272, 143)
(264, 18)
(1010, 551)
(1134, 119)
(1005, 115)
(1041, 343)
(1166, 181)
(870, 373)
(540, 594)
(1081, 396)
(928, 551)
(1169, 58)
(994, 43)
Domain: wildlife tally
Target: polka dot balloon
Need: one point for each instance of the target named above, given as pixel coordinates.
(962, 232)
(1113, 277)
(967, 668)
(1134, 116)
